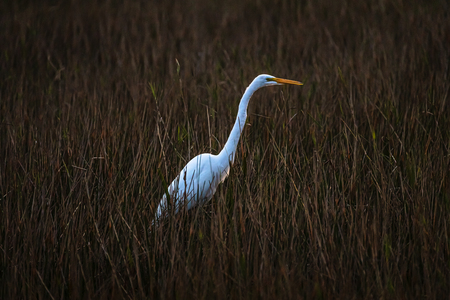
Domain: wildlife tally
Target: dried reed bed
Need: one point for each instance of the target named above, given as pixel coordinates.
(340, 189)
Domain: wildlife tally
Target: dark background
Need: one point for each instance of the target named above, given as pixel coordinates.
(340, 188)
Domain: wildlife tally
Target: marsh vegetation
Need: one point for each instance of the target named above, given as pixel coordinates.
(340, 189)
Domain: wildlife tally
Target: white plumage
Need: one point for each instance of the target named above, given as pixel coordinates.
(198, 180)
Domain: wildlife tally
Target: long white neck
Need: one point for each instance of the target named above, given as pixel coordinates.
(228, 152)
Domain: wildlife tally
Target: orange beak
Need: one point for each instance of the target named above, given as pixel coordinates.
(286, 81)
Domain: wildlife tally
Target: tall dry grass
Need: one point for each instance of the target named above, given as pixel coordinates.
(340, 189)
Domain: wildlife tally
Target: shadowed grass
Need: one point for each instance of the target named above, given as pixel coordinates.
(340, 188)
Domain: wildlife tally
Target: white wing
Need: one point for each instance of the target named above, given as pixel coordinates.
(195, 184)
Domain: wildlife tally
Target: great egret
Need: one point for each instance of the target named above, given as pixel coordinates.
(198, 180)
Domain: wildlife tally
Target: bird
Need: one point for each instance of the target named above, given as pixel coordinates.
(198, 180)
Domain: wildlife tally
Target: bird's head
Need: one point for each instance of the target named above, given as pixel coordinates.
(268, 80)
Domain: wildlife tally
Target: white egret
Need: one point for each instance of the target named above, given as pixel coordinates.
(198, 180)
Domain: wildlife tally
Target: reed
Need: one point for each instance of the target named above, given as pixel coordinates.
(340, 190)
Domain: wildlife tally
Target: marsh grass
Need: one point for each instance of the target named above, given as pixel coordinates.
(340, 188)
